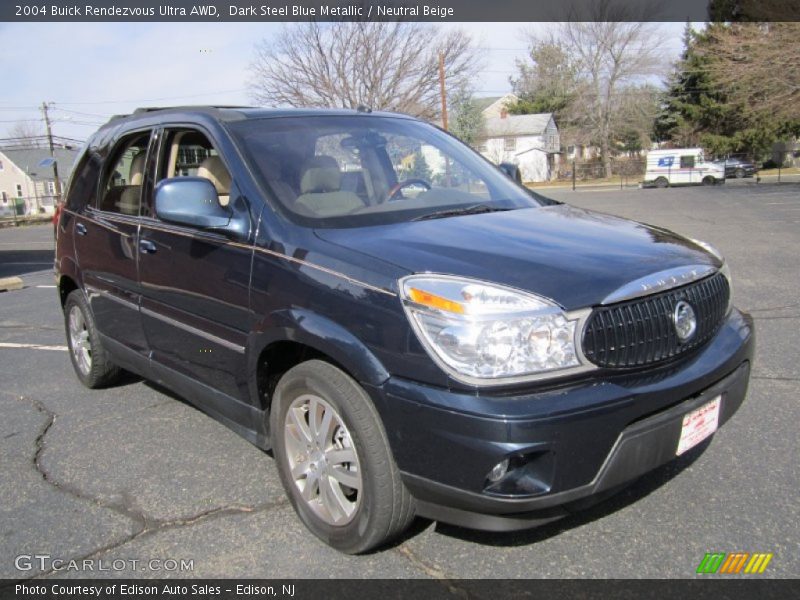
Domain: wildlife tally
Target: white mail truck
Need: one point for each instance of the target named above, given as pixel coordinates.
(681, 166)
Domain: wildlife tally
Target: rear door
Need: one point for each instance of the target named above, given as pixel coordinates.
(195, 283)
(106, 232)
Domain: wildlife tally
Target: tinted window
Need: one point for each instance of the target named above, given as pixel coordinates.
(83, 183)
(346, 171)
(122, 189)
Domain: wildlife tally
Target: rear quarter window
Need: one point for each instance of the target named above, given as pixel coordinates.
(83, 184)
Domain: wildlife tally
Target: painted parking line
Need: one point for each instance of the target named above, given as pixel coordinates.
(45, 286)
(32, 346)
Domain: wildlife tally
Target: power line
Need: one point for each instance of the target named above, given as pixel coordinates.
(77, 112)
(154, 99)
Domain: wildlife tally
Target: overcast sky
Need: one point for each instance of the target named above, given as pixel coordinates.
(93, 70)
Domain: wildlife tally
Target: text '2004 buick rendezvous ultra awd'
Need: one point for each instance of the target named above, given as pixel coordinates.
(409, 330)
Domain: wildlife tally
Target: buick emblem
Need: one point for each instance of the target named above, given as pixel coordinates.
(685, 321)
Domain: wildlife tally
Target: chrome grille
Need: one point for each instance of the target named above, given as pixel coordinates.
(641, 332)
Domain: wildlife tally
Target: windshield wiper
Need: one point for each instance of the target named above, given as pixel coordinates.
(474, 209)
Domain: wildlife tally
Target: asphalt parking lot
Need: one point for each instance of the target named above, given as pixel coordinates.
(135, 473)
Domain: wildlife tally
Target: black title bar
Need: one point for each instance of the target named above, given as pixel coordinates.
(398, 10)
(386, 589)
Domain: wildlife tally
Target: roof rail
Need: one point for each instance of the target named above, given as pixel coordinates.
(147, 109)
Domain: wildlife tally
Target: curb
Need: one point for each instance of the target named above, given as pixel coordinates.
(10, 283)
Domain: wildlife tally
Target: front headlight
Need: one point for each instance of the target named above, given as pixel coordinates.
(483, 333)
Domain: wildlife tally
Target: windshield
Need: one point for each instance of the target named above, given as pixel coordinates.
(350, 171)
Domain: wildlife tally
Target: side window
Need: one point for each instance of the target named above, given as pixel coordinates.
(122, 187)
(83, 184)
(189, 153)
(687, 162)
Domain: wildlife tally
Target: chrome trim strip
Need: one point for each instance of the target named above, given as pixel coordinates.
(299, 261)
(326, 270)
(199, 332)
(93, 291)
(659, 282)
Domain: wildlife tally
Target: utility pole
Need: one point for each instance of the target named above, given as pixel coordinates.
(52, 151)
(442, 90)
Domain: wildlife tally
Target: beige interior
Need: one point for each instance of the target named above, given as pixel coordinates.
(214, 170)
(320, 190)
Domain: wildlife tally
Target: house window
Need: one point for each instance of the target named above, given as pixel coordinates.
(509, 144)
(51, 187)
(1, 165)
(19, 190)
(570, 150)
(483, 146)
(687, 162)
(5, 198)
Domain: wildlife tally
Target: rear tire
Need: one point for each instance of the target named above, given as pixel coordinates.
(326, 434)
(662, 182)
(739, 173)
(89, 359)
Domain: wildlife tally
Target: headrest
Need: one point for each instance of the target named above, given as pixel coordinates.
(214, 170)
(137, 169)
(320, 174)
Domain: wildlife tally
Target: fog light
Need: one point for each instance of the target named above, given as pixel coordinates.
(499, 471)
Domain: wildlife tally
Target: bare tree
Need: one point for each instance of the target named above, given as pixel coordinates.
(26, 133)
(758, 66)
(386, 66)
(611, 55)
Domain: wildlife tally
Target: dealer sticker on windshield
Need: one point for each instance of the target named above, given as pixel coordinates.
(698, 425)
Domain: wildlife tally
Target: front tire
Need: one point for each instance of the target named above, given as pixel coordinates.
(708, 180)
(334, 459)
(739, 173)
(89, 359)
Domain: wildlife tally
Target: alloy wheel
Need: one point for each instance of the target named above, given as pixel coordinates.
(79, 341)
(323, 461)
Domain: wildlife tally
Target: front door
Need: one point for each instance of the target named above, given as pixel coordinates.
(195, 283)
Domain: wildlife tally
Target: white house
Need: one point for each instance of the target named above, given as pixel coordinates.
(26, 185)
(529, 141)
(495, 106)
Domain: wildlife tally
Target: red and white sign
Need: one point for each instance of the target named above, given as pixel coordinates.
(698, 425)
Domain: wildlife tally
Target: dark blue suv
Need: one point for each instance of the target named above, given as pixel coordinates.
(407, 328)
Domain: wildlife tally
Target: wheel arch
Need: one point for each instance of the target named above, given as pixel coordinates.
(292, 336)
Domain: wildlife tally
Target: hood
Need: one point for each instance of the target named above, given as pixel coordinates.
(573, 256)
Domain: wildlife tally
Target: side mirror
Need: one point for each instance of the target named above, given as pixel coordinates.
(512, 171)
(191, 201)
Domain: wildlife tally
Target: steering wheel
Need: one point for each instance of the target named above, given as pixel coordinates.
(402, 184)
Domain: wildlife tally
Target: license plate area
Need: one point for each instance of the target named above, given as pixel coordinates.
(699, 424)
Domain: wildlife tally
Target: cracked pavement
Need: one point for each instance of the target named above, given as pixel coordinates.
(134, 472)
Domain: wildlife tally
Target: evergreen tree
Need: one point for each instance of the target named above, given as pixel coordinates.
(420, 168)
(466, 121)
(704, 107)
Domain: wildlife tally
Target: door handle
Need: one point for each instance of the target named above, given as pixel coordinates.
(80, 229)
(147, 247)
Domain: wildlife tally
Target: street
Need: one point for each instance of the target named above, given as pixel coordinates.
(136, 473)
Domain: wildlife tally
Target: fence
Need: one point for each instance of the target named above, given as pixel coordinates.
(23, 207)
(624, 172)
(629, 172)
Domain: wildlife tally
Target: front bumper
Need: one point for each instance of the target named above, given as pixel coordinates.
(571, 445)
